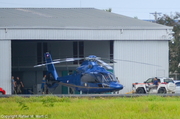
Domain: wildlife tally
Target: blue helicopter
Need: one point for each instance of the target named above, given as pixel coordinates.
(90, 77)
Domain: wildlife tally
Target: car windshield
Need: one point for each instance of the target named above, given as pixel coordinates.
(168, 80)
(150, 80)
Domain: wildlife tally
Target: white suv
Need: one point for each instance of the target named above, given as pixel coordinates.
(165, 85)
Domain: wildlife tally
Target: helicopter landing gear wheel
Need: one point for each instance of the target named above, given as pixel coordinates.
(71, 91)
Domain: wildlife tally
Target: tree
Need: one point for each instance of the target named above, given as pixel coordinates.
(108, 10)
(174, 48)
(135, 17)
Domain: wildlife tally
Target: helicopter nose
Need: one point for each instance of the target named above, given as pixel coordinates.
(116, 86)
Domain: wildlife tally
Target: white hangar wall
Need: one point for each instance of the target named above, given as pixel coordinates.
(139, 60)
(5, 64)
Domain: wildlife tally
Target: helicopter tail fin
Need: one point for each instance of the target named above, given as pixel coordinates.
(50, 65)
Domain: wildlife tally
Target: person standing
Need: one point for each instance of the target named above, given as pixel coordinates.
(19, 86)
(13, 85)
(44, 85)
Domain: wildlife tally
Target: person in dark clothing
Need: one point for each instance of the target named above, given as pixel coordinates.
(19, 85)
(44, 85)
(155, 82)
(13, 85)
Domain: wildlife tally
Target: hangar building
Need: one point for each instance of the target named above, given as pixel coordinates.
(140, 47)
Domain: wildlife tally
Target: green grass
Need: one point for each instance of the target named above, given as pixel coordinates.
(145, 107)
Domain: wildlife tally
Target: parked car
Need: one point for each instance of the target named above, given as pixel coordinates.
(165, 85)
(177, 82)
(2, 91)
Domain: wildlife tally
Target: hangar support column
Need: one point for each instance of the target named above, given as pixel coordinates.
(5, 65)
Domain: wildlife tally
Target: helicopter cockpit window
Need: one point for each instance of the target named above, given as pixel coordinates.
(110, 77)
(101, 78)
(89, 78)
(105, 77)
(98, 78)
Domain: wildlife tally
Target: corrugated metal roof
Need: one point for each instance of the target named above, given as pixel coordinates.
(70, 18)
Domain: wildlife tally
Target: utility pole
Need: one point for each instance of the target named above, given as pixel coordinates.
(80, 3)
(156, 15)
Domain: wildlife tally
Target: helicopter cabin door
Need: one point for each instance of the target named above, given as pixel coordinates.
(64, 88)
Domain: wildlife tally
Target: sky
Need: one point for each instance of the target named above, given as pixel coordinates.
(142, 9)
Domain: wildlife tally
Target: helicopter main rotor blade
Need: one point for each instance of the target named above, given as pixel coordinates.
(105, 64)
(39, 65)
(56, 60)
(110, 60)
(138, 62)
(70, 59)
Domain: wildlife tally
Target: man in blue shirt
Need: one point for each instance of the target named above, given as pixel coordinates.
(155, 82)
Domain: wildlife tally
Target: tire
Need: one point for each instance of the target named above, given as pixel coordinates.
(1, 93)
(140, 91)
(162, 90)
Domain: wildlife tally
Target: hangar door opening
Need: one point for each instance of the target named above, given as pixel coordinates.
(27, 53)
